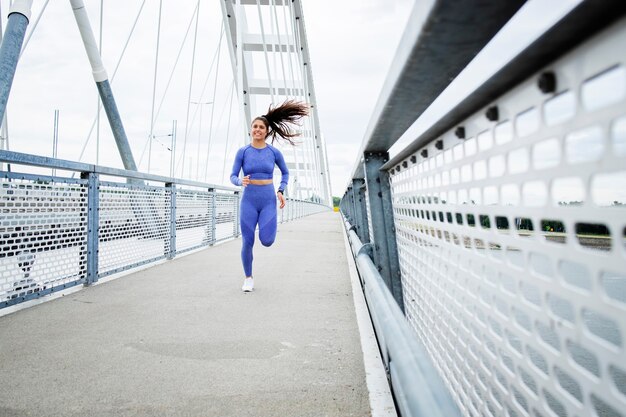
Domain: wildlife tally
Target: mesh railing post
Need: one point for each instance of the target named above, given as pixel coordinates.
(346, 206)
(93, 209)
(236, 210)
(384, 239)
(212, 215)
(357, 219)
(171, 253)
(350, 205)
(360, 212)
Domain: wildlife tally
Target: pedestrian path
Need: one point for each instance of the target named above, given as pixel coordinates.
(181, 339)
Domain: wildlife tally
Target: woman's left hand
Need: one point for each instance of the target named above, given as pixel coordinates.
(281, 198)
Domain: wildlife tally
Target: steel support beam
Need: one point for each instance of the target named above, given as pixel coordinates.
(310, 86)
(104, 88)
(381, 211)
(11, 47)
(239, 68)
(115, 121)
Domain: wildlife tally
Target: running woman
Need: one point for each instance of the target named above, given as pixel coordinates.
(257, 160)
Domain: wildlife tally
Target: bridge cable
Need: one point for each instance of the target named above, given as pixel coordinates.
(206, 81)
(32, 29)
(300, 91)
(241, 93)
(169, 81)
(280, 48)
(217, 71)
(213, 101)
(267, 62)
(156, 66)
(309, 121)
(293, 83)
(219, 121)
(230, 110)
(289, 92)
(193, 65)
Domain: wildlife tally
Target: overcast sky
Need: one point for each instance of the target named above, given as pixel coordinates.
(351, 42)
(351, 48)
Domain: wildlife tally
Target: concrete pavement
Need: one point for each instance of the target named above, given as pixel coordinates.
(181, 339)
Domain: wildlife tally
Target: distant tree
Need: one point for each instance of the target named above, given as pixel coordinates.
(336, 201)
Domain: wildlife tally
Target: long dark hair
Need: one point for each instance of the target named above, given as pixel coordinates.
(278, 120)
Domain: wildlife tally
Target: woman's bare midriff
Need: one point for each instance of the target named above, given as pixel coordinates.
(261, 182)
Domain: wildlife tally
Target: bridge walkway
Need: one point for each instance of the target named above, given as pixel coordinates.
(181, 339)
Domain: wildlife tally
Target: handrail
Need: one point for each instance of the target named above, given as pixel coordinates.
(435, 47)
(579, 24)
(62, 164)
(418, 387)
(443, 206)
(46, 162)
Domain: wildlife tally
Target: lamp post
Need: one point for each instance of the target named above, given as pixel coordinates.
(201, 103)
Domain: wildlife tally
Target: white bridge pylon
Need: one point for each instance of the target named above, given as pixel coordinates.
(270, 59)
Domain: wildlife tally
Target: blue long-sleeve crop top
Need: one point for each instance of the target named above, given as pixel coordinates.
(259, 164)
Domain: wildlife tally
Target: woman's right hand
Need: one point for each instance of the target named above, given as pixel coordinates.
(245, 181)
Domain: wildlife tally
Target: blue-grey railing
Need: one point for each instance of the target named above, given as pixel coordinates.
(58, 231)
(406, 361)
(455, 276)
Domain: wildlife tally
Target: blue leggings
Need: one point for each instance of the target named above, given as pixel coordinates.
(258, 206)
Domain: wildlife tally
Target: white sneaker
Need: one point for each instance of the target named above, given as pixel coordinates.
(248, 285)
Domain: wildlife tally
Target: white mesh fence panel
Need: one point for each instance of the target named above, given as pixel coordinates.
(512, 245)
(43, 234)
(294, 209)
(225, 215)
(194, 210)
(44, 228)
(133, 226)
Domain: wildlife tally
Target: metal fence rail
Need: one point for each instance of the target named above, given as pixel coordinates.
(57, 232)
(405, 359)
(509, 219)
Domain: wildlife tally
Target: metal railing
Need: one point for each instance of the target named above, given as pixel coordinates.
(57, 232)
(405, 359)
(500, 231)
